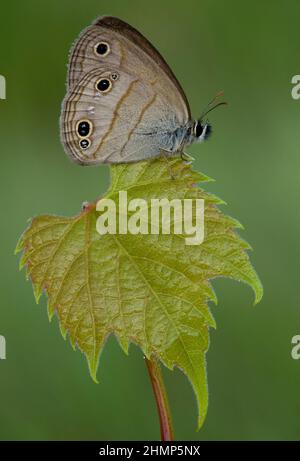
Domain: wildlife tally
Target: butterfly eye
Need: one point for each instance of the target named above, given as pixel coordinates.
(198, 129)
(84, 143)
(104, 85)
(102, 49)
(84, 128)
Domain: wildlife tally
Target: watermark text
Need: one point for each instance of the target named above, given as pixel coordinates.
(296, 89)
(295, 352)
(2, 87)
(157, 216)
(2, 348)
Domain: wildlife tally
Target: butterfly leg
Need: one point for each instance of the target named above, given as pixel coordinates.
(187, 158)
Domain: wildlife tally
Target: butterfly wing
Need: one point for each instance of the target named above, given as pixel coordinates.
(144, 106)
(128, 122)
(128, 50)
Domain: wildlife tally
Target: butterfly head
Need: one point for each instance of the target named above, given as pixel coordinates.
(201, 130)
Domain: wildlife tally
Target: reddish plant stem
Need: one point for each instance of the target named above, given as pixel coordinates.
(159, 390)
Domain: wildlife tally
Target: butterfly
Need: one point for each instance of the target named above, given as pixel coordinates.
(123, 102)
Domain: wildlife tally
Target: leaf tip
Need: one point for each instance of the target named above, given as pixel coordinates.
(19, 246)
(259, 291)
(93, 366)
(63, 330)
(93, 374)
(22, 262)
(51, 311)
(37, 292)
(202, 177)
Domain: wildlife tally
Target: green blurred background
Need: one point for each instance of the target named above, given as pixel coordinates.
(251, 51)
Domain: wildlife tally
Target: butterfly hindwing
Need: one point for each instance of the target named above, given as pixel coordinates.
(124, 123)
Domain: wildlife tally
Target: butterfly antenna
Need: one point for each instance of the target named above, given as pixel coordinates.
(209, 106)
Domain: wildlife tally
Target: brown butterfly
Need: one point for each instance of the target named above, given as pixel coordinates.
(123, 102)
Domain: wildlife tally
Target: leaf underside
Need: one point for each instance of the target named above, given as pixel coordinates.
(150, 290)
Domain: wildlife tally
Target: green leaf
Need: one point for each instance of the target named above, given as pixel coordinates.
(151, 290)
